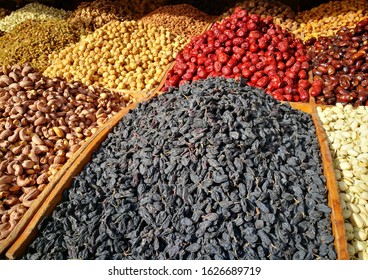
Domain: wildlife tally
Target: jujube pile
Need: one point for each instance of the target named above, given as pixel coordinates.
(246, 46)
(212, 170)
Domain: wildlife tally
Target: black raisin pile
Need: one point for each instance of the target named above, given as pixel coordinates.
(212, 170)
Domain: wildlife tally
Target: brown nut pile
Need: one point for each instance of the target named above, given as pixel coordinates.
(32, 41)
(93, 15)
(122, 55)
(43, 122)
(282, 14)
(326, 19)
(183, 20)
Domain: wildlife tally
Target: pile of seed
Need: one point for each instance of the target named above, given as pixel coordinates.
(121, 55)
(32, 11)
(93, 15)
(282, 14)
(212, 170)
(33, 41)
(183, 20)
(42, 123)
(347, 131)
(328, 18)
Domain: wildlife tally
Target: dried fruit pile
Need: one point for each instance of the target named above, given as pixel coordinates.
(212, 170)
(183, 20)
(42, 123)
(347, 131)
(121, 55)
(340, 67)
(246, 46)
(34, 40)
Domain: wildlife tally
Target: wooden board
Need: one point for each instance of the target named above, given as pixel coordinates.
(24, 221)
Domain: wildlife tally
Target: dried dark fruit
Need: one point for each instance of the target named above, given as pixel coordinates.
(199, 193)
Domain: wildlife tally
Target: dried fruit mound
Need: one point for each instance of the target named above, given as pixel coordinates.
(213, 170)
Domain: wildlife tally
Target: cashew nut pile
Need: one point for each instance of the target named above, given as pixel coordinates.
(121, 55)
(347, 131)
(42, 123)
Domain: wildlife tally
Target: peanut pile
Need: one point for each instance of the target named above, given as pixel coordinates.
(183, 20)
(122, 55)
(347, 131)
(42, 123)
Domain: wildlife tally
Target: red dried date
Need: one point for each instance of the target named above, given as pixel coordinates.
(251, 47)
(262, 82)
